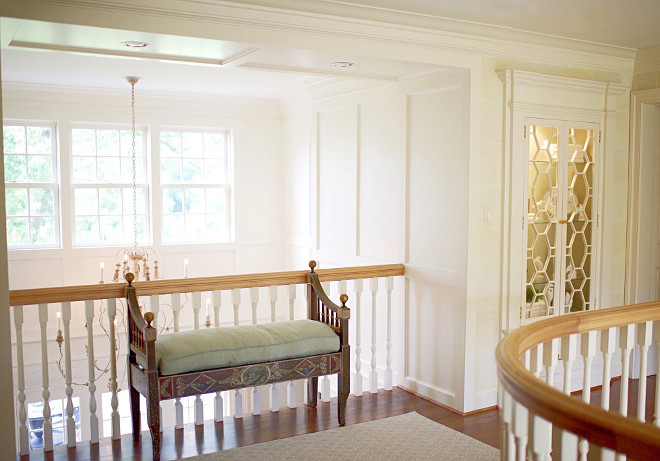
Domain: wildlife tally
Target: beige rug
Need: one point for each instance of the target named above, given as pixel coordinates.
(406, 437)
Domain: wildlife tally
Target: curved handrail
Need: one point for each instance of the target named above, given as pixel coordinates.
(187, 285)
(605, 428)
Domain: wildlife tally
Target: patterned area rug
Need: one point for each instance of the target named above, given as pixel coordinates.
(410, 437)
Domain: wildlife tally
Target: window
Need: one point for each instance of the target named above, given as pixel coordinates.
(58, 421)
(31, 186)
(195, 179)
(102, 178)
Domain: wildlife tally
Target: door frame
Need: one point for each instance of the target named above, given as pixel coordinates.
(638, 283)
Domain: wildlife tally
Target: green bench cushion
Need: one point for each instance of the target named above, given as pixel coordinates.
(211, 348)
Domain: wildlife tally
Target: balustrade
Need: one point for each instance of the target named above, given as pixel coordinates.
(92, 326)
(533, 410)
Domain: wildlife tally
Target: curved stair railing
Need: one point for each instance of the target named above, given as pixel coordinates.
(546, 408)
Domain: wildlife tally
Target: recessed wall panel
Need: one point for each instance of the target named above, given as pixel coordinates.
(337, 150)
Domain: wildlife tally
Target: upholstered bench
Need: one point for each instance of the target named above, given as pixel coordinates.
(216, 359)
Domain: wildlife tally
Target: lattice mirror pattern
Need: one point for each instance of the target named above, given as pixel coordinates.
(541, 220)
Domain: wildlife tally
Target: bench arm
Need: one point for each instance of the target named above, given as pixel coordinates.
(322, 309)
(141, 335)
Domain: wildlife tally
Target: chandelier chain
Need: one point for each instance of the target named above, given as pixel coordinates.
(135, 229)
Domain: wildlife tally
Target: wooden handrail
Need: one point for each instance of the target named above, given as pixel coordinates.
(188, 285)
(605, 428)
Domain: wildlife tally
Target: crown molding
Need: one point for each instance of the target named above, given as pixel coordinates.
(564, 83)
(316, 22)
(647, 60)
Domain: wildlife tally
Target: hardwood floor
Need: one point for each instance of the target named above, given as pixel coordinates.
(211, 437)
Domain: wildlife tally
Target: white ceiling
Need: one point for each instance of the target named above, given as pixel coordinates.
(61, 54)
(625, 23)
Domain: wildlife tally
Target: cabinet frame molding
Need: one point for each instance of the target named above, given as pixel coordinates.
(529, 95)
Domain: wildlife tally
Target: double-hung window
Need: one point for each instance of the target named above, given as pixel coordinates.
(102, 178)
(31, 185)
(195, 181)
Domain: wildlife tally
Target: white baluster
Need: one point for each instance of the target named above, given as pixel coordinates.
(325, 381)
(357, 376)
(238, 398)
(536, 360)
(569, 441)
(292, 400)
(373, 376)
(47, 425)
(520, 431)
(197, 305)
(218, 402)
(388, 346)
(656, 340)
(541, 438)
(607, 347)
(114, 400)
(588, 351)
(154, 307)
(23, 440)
(256, 395)
(273, 301)
(626, 343)
(176, 313)
(550, 360)
(508, 442)
(199, 405)
(644, 337)
(93, 418)
(274, 392)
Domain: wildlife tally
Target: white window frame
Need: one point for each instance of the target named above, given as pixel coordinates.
(54, 185)
(227, 186)
(145, 186)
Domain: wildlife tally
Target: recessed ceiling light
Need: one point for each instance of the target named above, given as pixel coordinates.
(342, 64)
(134, 44)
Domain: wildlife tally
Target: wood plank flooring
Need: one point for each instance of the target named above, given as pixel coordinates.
(211, 437)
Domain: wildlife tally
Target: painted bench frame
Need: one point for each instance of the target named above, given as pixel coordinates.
(148, 382)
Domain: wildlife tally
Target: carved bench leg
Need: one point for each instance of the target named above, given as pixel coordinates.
(153, 413)
(343, 384)
(312, 391)
(134, 398)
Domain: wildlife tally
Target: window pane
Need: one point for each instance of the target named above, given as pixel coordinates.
(17, 231)
(216, 227)
(110, 201)
(14, 139)
(192, 171)
(127, 170)
(84, 170)
(214, 145)
(86, 201)
(42, 230)
(40, 168)
(83, 142)
(39, 140)
(214, 171)
(173, 201)
(126, 142)
(111, 228)
(14, 168)
(170, 144)
(87, 229)
(108, 170)
(170, 171)
(193, 144)
(216, 200)
(128, 200)
(195, 227)
(16, 202)
(107, 142)
(41, 202)
(173, 228)
(141, 229)
(194, 200)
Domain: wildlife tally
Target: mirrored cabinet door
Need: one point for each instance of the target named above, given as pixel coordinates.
(559, 219)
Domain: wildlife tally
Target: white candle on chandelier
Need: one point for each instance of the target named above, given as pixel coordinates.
(185, 268)
(59, 320)
(101, 267)
(208, 304)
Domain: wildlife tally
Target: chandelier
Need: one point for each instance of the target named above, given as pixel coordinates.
(135, 260)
